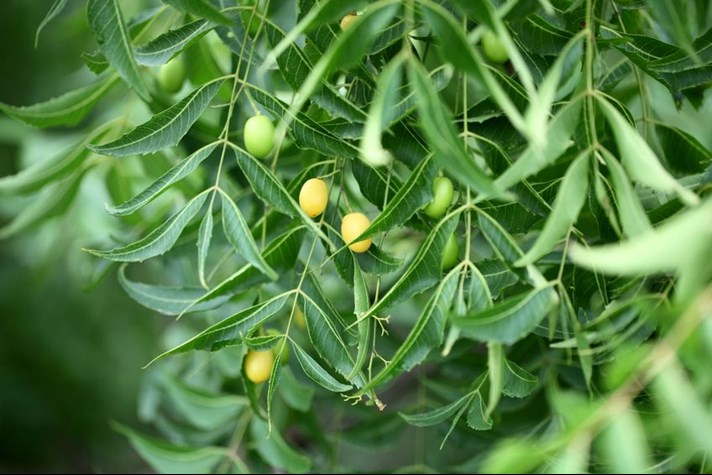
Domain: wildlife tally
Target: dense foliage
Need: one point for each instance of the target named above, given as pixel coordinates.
(504, 262)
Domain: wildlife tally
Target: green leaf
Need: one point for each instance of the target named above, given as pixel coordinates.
(659, 250)
(447, 147)
(499, 239)
(684, 152)
(165, 181)
(161, 49)
(426, 334)
(273, 381)
(639, 160)
(238, 234)
(274, 450)
(158, 241)
(477, 415)
(165, 457)
(67, 109)
(679, 399)
(53, 169)
(630, 209)
(361, 305)
(377, 262)
(438, 415)
(168, 300)
(164, 129)
(412, 196)
(205, 235)
(495, 372)
(625, 430)
(52, 201)
(518, 382)
(497, 275)
(317, 373)
(558, 140)
(200, 8)
(295, 67)
(423, 272)
(324, 332)
(52, 13)
(232, 330)
(107, 23)
(675, 18)
(96, 62)
(203, 409)
(263, 342)
(316, 15)
(265, 185)
(380, 114)
(236, 37)
(297, 395)
(280, 254)
(479, 293)
(458, 50)
(510, 320)
(374, 183)
(348, 49)
(540, 36)
(569, 201)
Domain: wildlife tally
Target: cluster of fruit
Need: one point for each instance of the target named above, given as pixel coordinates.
(259, 139)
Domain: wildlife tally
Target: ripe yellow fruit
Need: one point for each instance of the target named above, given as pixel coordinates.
(352, 226)
(347, 20)
(313, 197)
(258, 365)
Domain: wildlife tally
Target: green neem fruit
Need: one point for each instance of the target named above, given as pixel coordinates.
(442, 197)
(493, 48)
(171, 75)
(449, 258)
(259, 135)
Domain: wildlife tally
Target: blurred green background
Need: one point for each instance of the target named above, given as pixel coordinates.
(70, 359)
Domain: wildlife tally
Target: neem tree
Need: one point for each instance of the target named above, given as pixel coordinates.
(484, 217)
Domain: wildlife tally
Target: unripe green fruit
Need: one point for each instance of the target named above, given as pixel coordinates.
(313, 197)
(442, 197)
(258, 365)
(493, 48)
(449, 258)
(259, 135)
(352, 226)
(347, 20)
(171, 75)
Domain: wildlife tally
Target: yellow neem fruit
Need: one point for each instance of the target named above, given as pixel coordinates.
(314, 197)
(347, 20)
(258, 365)
(352, 226)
